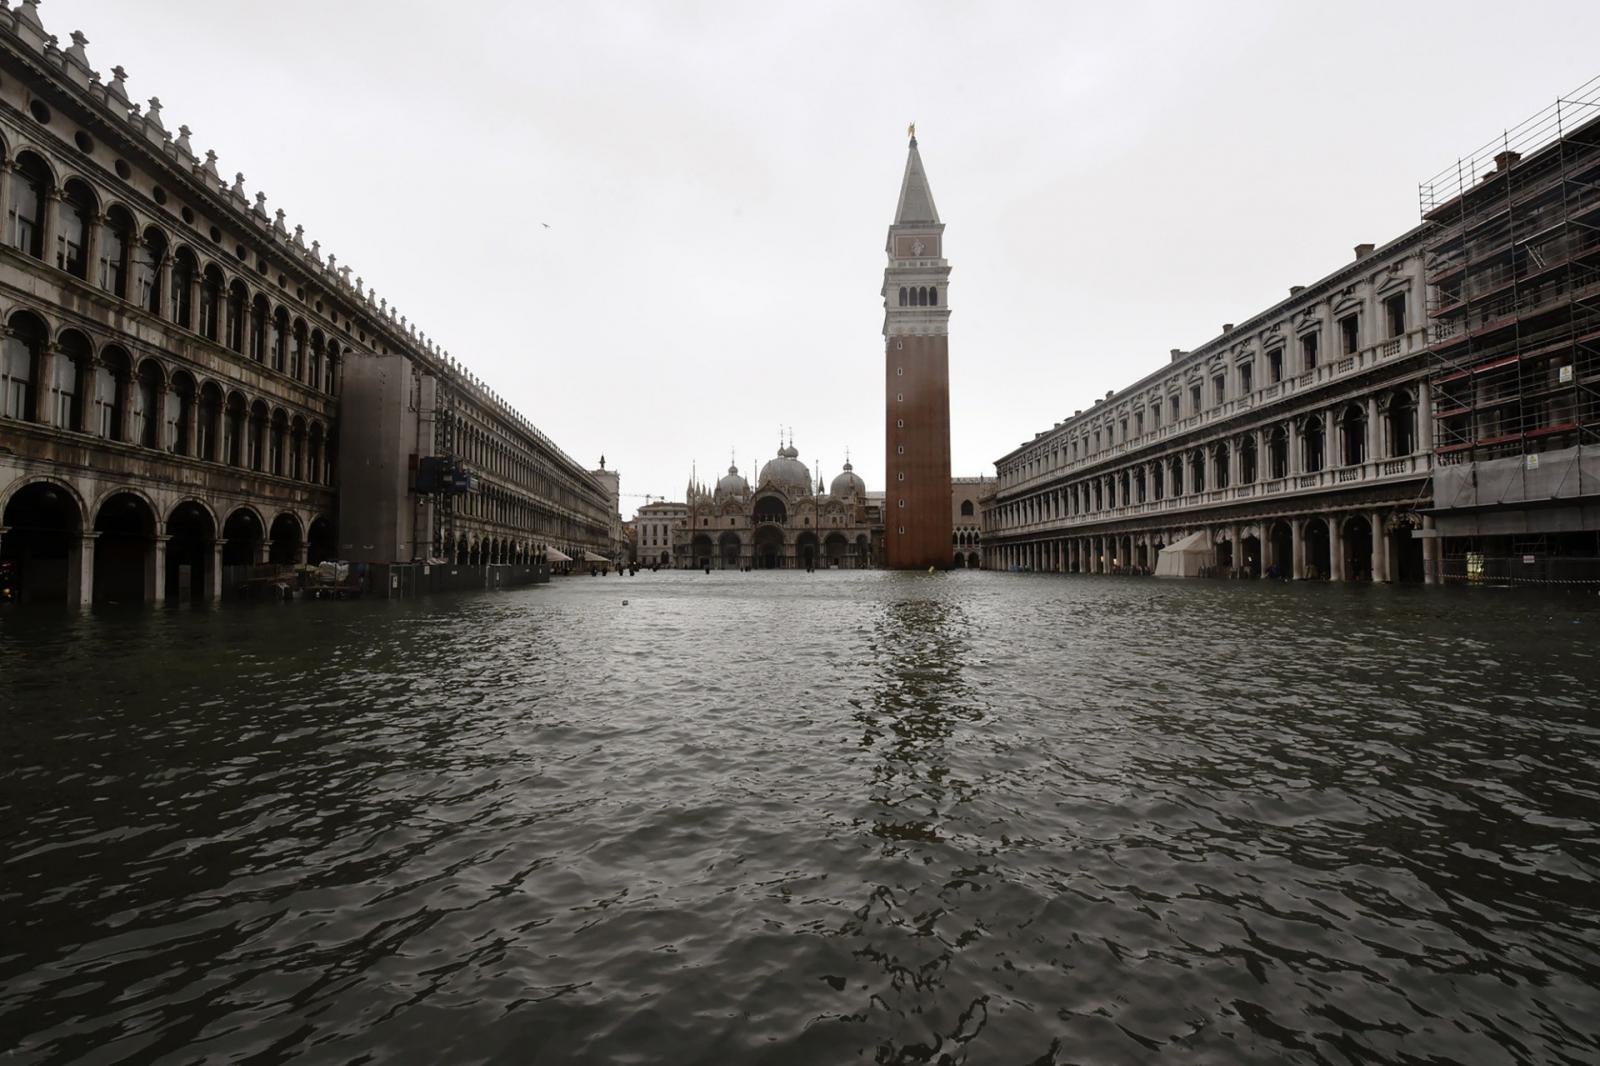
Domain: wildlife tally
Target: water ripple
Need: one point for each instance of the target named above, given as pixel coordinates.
(807, 818)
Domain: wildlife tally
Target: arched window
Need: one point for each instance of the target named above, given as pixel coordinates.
(19, 366)
(297, 350)
(256, 436)
(1177, 477)
(1219, 466)
(297, 449)
(1353, 431)
(260, 325)
(207, 424)
(147, 397)
(1311, 444)
(314, 371)
(68, 370)
(933, 296)
(210, 303)
(30, 191)
(147, 257)
(1247, 460)
(277, 443)
(185, 268)
(179, 410)
(233, 430)
(966, 509)
(117, 241)
(1278, 453)
(112, 375)
(331, 369)
(1197, 470)
(314, 454)
(1402, 424)
(280, 338)
(74, 217)
(902, 296)
(238, 304)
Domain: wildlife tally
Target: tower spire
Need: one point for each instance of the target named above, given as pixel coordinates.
(916, 198)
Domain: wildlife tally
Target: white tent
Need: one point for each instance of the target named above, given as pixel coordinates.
(556, 555)
(1186, 557)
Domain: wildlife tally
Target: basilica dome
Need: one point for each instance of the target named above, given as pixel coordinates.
(847, 484)
(787, 472)
(732, 484)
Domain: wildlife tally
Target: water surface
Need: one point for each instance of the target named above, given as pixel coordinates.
(788, 818)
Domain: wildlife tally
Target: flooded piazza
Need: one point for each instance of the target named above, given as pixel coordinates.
(790, 818)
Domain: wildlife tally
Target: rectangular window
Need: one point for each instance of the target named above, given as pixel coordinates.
(1395, 309)
(1246, 377)
(1138, 423)
(1194, 399)
(1219, 390)
(1124, 429)
(1176, 413)
(1275, 366)
(1350, 333)
(1308, 351)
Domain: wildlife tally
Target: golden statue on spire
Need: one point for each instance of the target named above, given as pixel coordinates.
(911, 131)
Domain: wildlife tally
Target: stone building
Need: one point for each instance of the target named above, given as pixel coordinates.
(966, 518)
(1298, 442)
(654, 524)
(916, 333)
(784, 521)
(174, 363)
(1514, 271)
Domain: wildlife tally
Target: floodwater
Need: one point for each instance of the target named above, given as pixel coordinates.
(790, 818)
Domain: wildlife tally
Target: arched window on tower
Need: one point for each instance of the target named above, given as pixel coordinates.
(933, 297)
(902, 296)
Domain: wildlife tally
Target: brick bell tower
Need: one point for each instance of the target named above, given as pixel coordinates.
(916, 330)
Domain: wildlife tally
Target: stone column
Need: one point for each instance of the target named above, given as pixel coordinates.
(1380, 544)
(191, 429)
(1292, 444)
(42, 412)
(155, 570)
(163, 283)
(1424, 435)
(213, 582)
(88, 383)
(5, 198)
(1236, 539)
(1374, 431)
(1430, 553)
(1297, 549)
(80, 571)
(51, 223)
(1335, 548)
(91, 249)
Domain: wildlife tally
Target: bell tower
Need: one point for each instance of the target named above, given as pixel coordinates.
(916, 331)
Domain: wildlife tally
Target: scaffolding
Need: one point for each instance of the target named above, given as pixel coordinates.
(1513, 270)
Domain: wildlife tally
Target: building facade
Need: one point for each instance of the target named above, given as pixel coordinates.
(1298, 443)
(966, 519)
(782, 522)
(173, 367)
(654, 525)
(1513, 252)
(916, 328)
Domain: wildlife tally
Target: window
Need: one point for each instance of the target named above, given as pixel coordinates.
(1124, 429)
(147, 414)
(1138, 422)
(147, 256)
(1194, 399)
(72, 240)
(25, 226)
(1275, 366)
(1350, 333)
(115, 242)
(183, 274)
(966, 509)
(1394, 308)
(64, 388)
(1155, 415)
(1176, 413)
(1219, 389)
(1245, 379)
(105, 401)
(1308, 351)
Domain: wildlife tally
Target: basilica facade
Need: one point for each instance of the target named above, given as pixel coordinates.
(783, 521)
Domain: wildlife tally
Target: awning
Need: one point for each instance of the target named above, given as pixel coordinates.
(556, 555)
(1186, 557)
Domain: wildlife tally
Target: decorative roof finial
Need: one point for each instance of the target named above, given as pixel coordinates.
(261, 204)
(911, 132)
(210, 165)
(76, 52)
(237, 192)
(182, 143)
(277, 221)
(118, 87)
(153, 116)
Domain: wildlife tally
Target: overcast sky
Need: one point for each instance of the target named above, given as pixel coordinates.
(717, 179)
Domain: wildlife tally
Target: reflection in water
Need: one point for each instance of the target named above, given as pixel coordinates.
(791, 818)
(907, 927)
